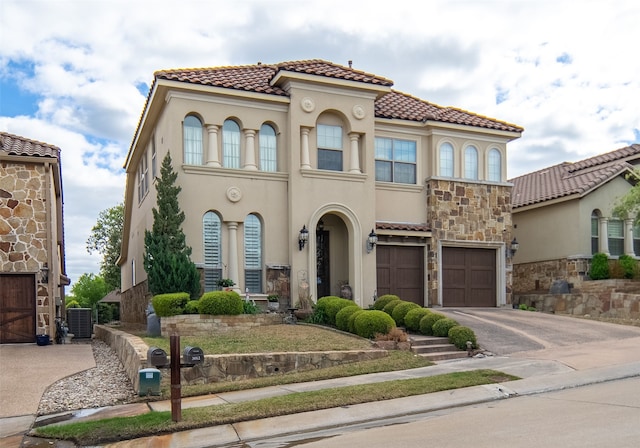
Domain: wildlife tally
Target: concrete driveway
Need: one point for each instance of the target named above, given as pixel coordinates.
(577, 343)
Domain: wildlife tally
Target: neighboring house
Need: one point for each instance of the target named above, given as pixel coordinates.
(32, 268)
(562, 215)
(287, 170)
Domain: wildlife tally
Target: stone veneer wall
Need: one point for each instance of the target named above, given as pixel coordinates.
(23, 230)
(133, 304)
(469, 212)
(539, 276)
(204, 324)
(131, 350)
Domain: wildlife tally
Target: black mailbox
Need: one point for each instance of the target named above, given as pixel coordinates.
(193, 355)
(157, 357)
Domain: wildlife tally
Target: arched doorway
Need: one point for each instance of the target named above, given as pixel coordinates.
(332, 255)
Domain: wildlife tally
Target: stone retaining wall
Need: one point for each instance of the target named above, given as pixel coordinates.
(131, 350)
(204, 324)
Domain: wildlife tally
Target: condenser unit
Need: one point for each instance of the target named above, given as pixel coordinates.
(79, 322)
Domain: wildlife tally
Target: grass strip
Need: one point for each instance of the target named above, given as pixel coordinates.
(155, 423)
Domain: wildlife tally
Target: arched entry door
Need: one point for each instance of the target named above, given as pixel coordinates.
(332, 255)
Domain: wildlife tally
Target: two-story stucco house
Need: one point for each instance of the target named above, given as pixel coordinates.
(563, 214)
(32, 268)
(301, 176)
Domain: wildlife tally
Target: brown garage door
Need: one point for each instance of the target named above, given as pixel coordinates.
(400, 271)
(17, 308)
(468, 277)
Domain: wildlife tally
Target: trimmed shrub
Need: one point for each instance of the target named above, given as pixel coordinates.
(401, 310)
(413, 317)
(383, 300)
(426, 323)
(72, 304)
(192, 307)
(342, 318)
(320, 310)
(334, 306)
(388, 308)
(170, 304)
(351, 321)
(370, 322)
(250, 307)
(221, 303)
(629, 265)
(459, 336)
(442, 326)
(599, 267)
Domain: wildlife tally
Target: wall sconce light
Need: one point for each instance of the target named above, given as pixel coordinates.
(44, 274)
(303, 237)
(372, 240)
(513, 248)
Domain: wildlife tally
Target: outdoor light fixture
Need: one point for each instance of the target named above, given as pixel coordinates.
(44, 274)
(303, 237)
(372, 240)
(514, 246)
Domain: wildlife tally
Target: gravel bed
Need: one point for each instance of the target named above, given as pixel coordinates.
(105, 385)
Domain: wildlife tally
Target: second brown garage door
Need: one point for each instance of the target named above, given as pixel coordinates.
(468, 277)
(400, 271)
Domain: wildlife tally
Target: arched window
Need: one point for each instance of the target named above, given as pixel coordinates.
(495, 165)
(212, 245)
(471, 162)
(595, 232)
(230, 144)
(268, 149)
(192, 130)
(616, 236)
(253, 254)
(446, 160)
(329, 140)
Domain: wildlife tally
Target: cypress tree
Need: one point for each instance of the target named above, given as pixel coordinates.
(167, 257)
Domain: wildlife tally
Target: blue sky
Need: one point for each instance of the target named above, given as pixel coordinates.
(75, 73)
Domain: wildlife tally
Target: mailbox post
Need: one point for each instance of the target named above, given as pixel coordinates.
(192, 356)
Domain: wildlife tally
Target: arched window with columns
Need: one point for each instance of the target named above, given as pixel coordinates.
(595, 232)
(253, 254)
(494, 165)
(192, 140)
(446, 160)
(268, 148)
(230, 144)
(471, 162)
(212, 250)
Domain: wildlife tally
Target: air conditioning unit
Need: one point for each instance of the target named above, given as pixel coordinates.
(79, 322)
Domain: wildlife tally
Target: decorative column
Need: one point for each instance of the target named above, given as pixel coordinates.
(603, 241)
(628, 237)
(354, 156)
(212, 150)
(305, 164)
(233, 252)
(250, 150)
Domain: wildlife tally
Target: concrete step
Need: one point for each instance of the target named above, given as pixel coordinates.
(443, 356)
(433, 348)
(427, 340)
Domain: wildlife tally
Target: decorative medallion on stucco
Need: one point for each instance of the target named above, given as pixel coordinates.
(234, 194)
(358, 112)
(307, 104)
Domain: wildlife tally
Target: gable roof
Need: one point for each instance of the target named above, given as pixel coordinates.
(21, 146)
(260, 78)
(566, 179)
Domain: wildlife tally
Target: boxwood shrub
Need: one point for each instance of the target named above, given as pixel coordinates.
(334, 306)
(221, 303)
(629, 266)
(413, 317)
(599, 267)
(170, 304)
(192, 307)
(401, 310)
(351, 321)
(459, 336)
(321, 311)
(426, 323)
(442, 326)
(371, 322)
(383, 300)
(388, 308)
(342, 318)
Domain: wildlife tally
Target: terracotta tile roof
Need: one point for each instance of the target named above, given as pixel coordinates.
(567, 178)
(259, 78)
(20, 146)
(380, 225)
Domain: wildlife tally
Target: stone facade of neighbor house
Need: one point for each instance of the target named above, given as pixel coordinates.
(301, 177)
(32, 271)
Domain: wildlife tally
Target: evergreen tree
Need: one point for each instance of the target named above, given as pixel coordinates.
(167, 257)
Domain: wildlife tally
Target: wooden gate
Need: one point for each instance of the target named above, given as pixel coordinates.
(17, 308)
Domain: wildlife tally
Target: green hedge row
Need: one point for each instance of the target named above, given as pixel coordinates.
(214, 302)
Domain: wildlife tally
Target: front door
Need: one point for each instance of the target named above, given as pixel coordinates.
(322, 263)
(17, 308)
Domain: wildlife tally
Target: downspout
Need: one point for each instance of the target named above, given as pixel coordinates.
(52, 269)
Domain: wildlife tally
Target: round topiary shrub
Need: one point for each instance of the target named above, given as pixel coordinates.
(383, 300)
(401, 310)
(599, 267)
(459, 336)
(192, 307)
(413, 317)
(388, 308)
(628, 265)
(371, 322)
(342, 318)
(334, 306)
(221, 303)
(320, 310)
(442, 326)
(351, 321)
(426, 323)
(170, 304)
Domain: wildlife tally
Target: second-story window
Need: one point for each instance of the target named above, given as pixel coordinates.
(446, 160)
(494, 162)
(268, 149)
(471, 163)
(154, 165)
(192, 134)
(395, 160)
(329, 147)
(143, 177)
(231, 144)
